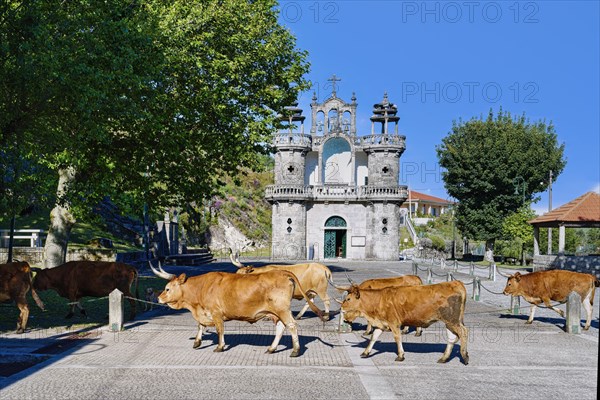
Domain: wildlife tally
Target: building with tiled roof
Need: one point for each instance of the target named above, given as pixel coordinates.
(583, 212)
(425, 204)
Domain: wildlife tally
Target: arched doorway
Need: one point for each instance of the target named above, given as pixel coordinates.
(335, 238)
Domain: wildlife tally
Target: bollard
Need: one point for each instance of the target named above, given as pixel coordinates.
(572, 323)
(429, 277)
(343, 327)
(443, 263)
(515, 305)
(414, 267)
(476, 289)
(492, 275)
(455, 266)
(472, 269)
(448, 277)
(115, 310)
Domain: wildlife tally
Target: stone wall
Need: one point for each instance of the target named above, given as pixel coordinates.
(35, 255)
(588, 264)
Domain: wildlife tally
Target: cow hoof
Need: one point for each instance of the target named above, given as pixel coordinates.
(442, 360)
(585, 328)
(529, 322)
(218, 350)
(20, 330)
(270, 351)
(196, 345)
(418, 333)
(399, 358)
(364, 355)
(326, 316)
(465, 360)
(295, 353)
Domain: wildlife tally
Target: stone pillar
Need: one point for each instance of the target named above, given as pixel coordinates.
(115, 310)
(572, 323)
(561, 239)
(536, 240)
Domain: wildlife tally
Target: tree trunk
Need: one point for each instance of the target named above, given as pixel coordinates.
(11, 240)
(489, 250)
(61, 222)
(523, 254)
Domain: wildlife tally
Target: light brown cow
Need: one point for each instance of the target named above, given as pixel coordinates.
(392, 307)
(313, 278)
(380, 283)
(216, 297)
(553, 285)
(15, 282)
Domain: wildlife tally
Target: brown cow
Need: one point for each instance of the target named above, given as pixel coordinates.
(77, 279)
(216, 297)
(15, 282)
(392, 307)
(313, 278)
(380, 283)
(553, 285)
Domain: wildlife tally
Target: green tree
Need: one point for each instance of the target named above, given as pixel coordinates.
(495, 165)
(148, 103)
(516, 227)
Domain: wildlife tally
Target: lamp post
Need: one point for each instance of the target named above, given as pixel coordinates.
(517, 182)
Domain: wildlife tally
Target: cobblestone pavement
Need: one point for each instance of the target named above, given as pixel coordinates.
(153, 358)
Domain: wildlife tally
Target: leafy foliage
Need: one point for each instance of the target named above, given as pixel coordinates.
(494, 166)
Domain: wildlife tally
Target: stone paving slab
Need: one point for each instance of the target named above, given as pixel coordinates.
(154, 358)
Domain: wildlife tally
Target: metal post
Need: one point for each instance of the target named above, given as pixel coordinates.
(515, 305)
(573, 324)
(472, 269)
(115, 310)
(476, 288)
(429, 277)
(448, 277)
(455, 266)
(443, 263)
(414, 268)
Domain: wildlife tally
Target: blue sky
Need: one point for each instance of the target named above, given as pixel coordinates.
(441, 61)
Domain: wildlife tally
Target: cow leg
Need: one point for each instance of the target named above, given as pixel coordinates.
(559, 311)
(587, 304)
(418, 331)
(405, 329)
(531, 313)
(198, 340)
(369, 329)
(311, 296)
(326, 303)
(279, 328)
(71, 310)
(23, 316)
(374, 338)
(398, 338)
(220, 326)
(454, 333)
(452, 339)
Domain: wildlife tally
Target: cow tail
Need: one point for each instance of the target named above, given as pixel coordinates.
(311, 304)
(34, 294)
(597, 282)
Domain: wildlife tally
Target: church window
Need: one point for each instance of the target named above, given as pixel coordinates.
(335, 222)
(289, 229)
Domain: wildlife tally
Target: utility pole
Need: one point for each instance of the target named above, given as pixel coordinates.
(550, 209)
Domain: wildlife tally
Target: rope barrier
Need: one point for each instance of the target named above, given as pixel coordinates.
(503, 274)
(434, 274)
(498, 293)
(481, 267)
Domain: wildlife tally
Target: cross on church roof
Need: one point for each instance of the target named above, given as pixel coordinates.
(333, 80)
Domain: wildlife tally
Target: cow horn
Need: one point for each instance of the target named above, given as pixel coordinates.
(339, 301)
(349, 280)
(340, 288)
(160, 272)
(235, 261)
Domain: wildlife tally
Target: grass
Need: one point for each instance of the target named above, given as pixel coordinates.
(56, 310)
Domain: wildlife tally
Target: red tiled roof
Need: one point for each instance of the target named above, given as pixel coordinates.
(425, 197)
(584, 209)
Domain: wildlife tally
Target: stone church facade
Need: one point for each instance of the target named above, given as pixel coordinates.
(336, 193)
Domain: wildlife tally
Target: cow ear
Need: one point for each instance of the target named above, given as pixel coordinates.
(182, 278)
(356, 292)
(517, 276)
